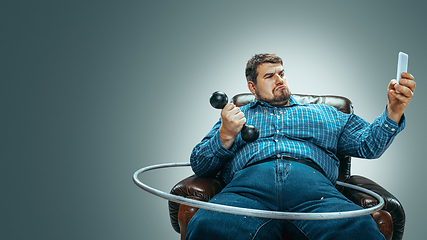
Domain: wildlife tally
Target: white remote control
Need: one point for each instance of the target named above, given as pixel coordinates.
(402, 65)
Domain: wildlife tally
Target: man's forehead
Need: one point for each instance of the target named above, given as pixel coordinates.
(270, 68)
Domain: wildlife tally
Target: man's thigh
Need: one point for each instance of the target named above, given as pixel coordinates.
(206, 224)
(363, 227)
(306, 190)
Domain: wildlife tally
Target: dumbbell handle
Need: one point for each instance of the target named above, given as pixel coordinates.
(218, 100)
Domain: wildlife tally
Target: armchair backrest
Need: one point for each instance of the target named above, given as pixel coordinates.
(343, 104)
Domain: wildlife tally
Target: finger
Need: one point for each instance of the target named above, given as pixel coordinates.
(243, 121)
(240, 115)
(404, 91)
(237, 120)
(408, 83)
(391, 84)
(399, 96)
(226, 111)
(407, 75)
(229, 107)
(234, 114)
(235, 111)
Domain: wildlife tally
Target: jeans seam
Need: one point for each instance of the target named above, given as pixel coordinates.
(259, 228)
(299, 229)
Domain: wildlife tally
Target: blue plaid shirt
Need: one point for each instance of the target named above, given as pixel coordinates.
(315, 132)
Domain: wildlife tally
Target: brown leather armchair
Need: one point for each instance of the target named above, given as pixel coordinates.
(390, 220)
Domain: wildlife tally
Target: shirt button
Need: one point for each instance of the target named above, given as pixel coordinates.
(278, 156)
(276, 140)
(277, 131)
(386, 125)
(393, 129)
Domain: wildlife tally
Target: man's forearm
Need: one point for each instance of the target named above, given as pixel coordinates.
(392, 115)
(226, 141)
(209, 156)
(364, 140)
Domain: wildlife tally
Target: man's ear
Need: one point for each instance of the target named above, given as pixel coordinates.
(251, 87)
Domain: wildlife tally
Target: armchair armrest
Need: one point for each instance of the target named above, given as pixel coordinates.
(195, 188)
(392, 205)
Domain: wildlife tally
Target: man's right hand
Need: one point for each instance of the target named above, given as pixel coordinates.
(232, 121)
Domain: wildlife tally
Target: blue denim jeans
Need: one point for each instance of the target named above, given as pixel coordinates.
(281, 185)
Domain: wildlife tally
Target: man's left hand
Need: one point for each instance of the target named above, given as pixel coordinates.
(399, 95)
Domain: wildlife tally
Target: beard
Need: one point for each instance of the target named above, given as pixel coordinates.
(280, 98)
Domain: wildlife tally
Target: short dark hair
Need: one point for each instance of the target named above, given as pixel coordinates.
(253, 63)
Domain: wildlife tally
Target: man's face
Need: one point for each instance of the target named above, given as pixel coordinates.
(272, 85)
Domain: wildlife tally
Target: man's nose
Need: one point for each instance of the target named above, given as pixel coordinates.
(279, 79)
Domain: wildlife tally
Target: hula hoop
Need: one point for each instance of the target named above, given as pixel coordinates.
(257, 212)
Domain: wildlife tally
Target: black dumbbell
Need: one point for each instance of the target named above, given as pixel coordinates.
(218, 100)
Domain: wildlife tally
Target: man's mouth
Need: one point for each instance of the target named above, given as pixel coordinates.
(279, 88)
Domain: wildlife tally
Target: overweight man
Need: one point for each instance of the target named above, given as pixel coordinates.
(292, 166)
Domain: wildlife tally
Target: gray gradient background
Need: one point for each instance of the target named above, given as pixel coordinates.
(91, 91)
